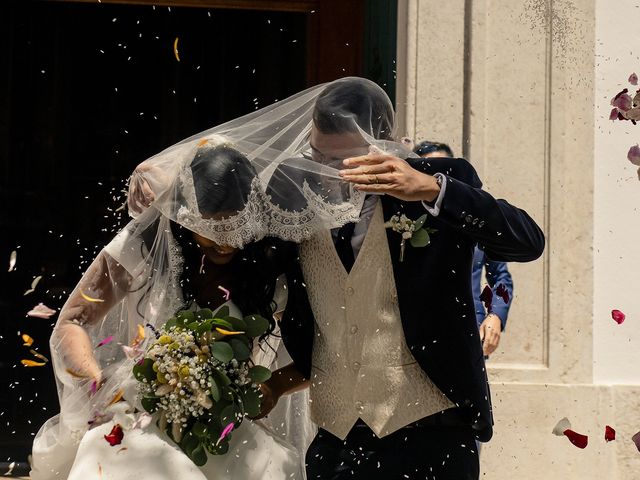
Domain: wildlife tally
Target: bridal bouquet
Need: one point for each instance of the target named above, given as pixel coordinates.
(198, 375)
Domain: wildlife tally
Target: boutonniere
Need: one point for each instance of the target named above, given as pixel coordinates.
(412, 230)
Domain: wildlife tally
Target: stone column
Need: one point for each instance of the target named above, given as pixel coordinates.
(510, 85)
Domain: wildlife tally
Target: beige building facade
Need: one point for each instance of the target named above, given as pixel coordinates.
(522, 88)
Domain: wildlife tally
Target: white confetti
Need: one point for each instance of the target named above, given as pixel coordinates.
(12, 260)
(33, 285)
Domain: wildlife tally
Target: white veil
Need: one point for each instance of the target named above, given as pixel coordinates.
(287, 189)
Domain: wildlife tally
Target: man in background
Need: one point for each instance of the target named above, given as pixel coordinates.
(491, 314)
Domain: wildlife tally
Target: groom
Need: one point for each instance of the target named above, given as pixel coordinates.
(387, 340)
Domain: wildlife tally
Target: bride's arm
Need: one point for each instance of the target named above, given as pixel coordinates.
(104, 285)
(283, 381)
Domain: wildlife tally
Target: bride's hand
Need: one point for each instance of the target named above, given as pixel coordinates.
(268, 401)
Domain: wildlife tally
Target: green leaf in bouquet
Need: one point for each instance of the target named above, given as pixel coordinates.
(221, 351)
(199, 429)
(204, 326)
(229, 414)
(222, 312)
(237, 323)
(221, 448)
(172, 322)
(199, 455)
(221, 323)
(256, 325)
(185, 317)
(419, 222)
(420, 238)
(251, 401)
(259, 374)
(229, 393)
(189, 442)
(204, 314)
(241, 351)
(221, 378)
(150, 404)
(144, 370)
(216, 389)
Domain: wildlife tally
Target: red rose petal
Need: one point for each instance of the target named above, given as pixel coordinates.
(487, 297)
(614, 114)
(636, 440)
(633, 79)
(503, 293)
(618, 316)
(115, 437)
(609, 433)
(577, 439)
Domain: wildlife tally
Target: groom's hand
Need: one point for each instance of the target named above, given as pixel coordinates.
(381, 173)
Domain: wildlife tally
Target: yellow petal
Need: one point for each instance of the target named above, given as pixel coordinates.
(139, 337)
(202, 142)
(31, 363)
(117, 397)
(90, 299)
(77, 374)
(28, 341)
(227, 332)
(175, 49)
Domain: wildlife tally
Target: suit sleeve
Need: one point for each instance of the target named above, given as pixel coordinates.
(506, 233)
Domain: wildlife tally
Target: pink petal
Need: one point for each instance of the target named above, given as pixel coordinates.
(634, 155)
(633, 79)
(636, 440)
(614, 114)
(227, 430)
(618, 316)
(227, 293)
(109, 339)
(41, 311)
(609, 433)
(623, 102)
(94, 387)
(577, 439)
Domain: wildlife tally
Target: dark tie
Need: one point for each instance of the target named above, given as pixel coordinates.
(343, 245)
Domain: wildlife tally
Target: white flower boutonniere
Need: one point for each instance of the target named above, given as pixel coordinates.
(412, 230)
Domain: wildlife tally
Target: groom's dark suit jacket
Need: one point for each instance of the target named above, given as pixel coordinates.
(434, 286)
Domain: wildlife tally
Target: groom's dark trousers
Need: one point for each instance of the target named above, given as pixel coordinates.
(429, 451)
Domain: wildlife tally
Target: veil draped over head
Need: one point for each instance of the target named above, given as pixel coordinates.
(271, 173)
(295, 148)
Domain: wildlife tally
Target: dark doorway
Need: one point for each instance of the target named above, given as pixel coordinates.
(88, 90)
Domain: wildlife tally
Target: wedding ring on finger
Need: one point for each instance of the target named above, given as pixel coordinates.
(374, 179)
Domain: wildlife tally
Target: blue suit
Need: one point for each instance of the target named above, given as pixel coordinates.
(497, 274)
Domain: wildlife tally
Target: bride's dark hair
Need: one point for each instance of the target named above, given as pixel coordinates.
(222, 179)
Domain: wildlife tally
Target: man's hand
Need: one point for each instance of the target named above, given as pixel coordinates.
(381, 173)
(490, 331)
(268, 402)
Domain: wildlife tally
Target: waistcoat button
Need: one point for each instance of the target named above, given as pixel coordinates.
(354, 329)
(359, 407)
(350, 291)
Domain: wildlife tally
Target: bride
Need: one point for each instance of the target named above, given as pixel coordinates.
(166, 260)
(207, 213)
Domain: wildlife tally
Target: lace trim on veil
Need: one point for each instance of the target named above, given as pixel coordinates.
(249, 224)
(301, 225)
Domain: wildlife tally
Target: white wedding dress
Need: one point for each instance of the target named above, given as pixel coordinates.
(269, 449)
(256, 452)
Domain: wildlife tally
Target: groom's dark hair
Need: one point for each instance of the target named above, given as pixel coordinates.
(352, 101)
